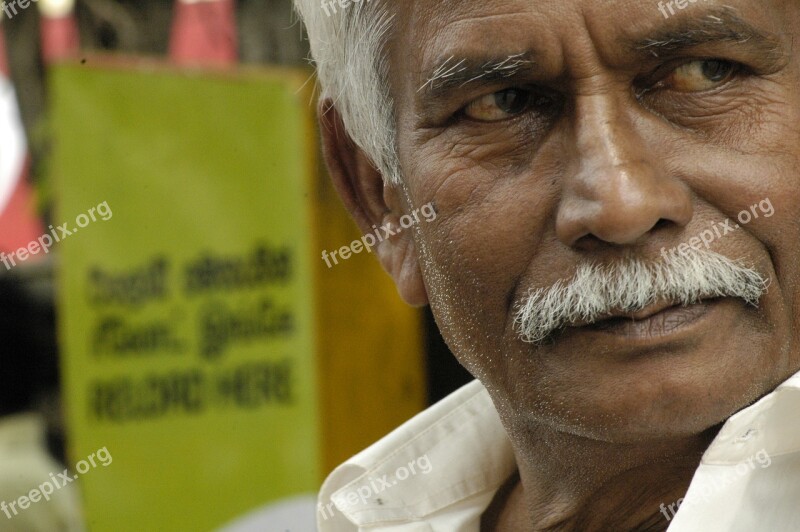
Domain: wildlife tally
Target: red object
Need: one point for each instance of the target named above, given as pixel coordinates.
(204, 33)
(19, 224)
(60, 38)
(4, 71)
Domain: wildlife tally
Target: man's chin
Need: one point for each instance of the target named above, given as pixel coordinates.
(626, 425)
(680, 376)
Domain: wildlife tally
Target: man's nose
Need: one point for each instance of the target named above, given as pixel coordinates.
(617, 190)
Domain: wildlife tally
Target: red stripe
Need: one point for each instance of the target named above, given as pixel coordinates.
(4, 72)
(60, 38)
(204, 33)
(18, 224)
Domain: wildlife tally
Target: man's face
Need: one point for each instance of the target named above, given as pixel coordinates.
(556, 133)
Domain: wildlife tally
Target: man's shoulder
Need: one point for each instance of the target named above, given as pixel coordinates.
(452, 452)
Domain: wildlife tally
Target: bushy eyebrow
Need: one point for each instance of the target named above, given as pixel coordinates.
(720, 24)
(713, 25)
(454, 73)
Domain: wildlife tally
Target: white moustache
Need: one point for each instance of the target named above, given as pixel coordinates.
(595, 291)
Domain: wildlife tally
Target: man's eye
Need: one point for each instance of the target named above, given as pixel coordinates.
(500, 105)
(700, 75)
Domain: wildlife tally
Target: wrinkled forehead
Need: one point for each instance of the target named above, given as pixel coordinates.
(434, 36)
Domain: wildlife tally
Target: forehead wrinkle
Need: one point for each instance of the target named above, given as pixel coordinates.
(440, 32)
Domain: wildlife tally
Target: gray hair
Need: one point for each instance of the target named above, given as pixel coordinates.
(347, 48)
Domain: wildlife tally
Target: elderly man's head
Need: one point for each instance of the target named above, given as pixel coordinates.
(617, 194)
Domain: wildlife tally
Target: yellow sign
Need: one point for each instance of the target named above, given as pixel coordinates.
(203, 344)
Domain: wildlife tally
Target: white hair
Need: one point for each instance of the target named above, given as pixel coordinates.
(347, 48)
(630, 286)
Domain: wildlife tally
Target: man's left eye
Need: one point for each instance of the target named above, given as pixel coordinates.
(700, 75)
(500, 105)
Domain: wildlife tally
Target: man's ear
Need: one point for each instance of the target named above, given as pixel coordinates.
(372, 204)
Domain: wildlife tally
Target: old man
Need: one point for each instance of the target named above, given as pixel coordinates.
(614, 257)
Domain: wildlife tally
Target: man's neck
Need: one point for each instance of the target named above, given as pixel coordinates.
(566, 482)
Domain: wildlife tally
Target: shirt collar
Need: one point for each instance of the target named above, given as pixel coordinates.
(469, 453)
(457, 449)
(765, 425)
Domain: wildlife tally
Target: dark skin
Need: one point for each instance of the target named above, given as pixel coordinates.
(617, 132)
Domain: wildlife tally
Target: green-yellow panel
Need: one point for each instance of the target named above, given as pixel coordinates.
(186, 317)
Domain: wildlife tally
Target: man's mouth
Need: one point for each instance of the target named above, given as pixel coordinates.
(658, 319)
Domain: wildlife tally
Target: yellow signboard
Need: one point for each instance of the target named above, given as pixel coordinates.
(203, 340)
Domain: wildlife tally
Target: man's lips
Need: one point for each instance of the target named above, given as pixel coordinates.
(643, 314)
(657, 319)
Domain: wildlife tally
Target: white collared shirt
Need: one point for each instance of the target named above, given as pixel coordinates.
(439, 472)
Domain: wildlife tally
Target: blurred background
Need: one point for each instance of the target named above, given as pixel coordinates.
(171, 339)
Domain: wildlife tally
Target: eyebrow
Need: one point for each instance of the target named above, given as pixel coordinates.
(717, 25)
(453, 74)
(720, 24)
